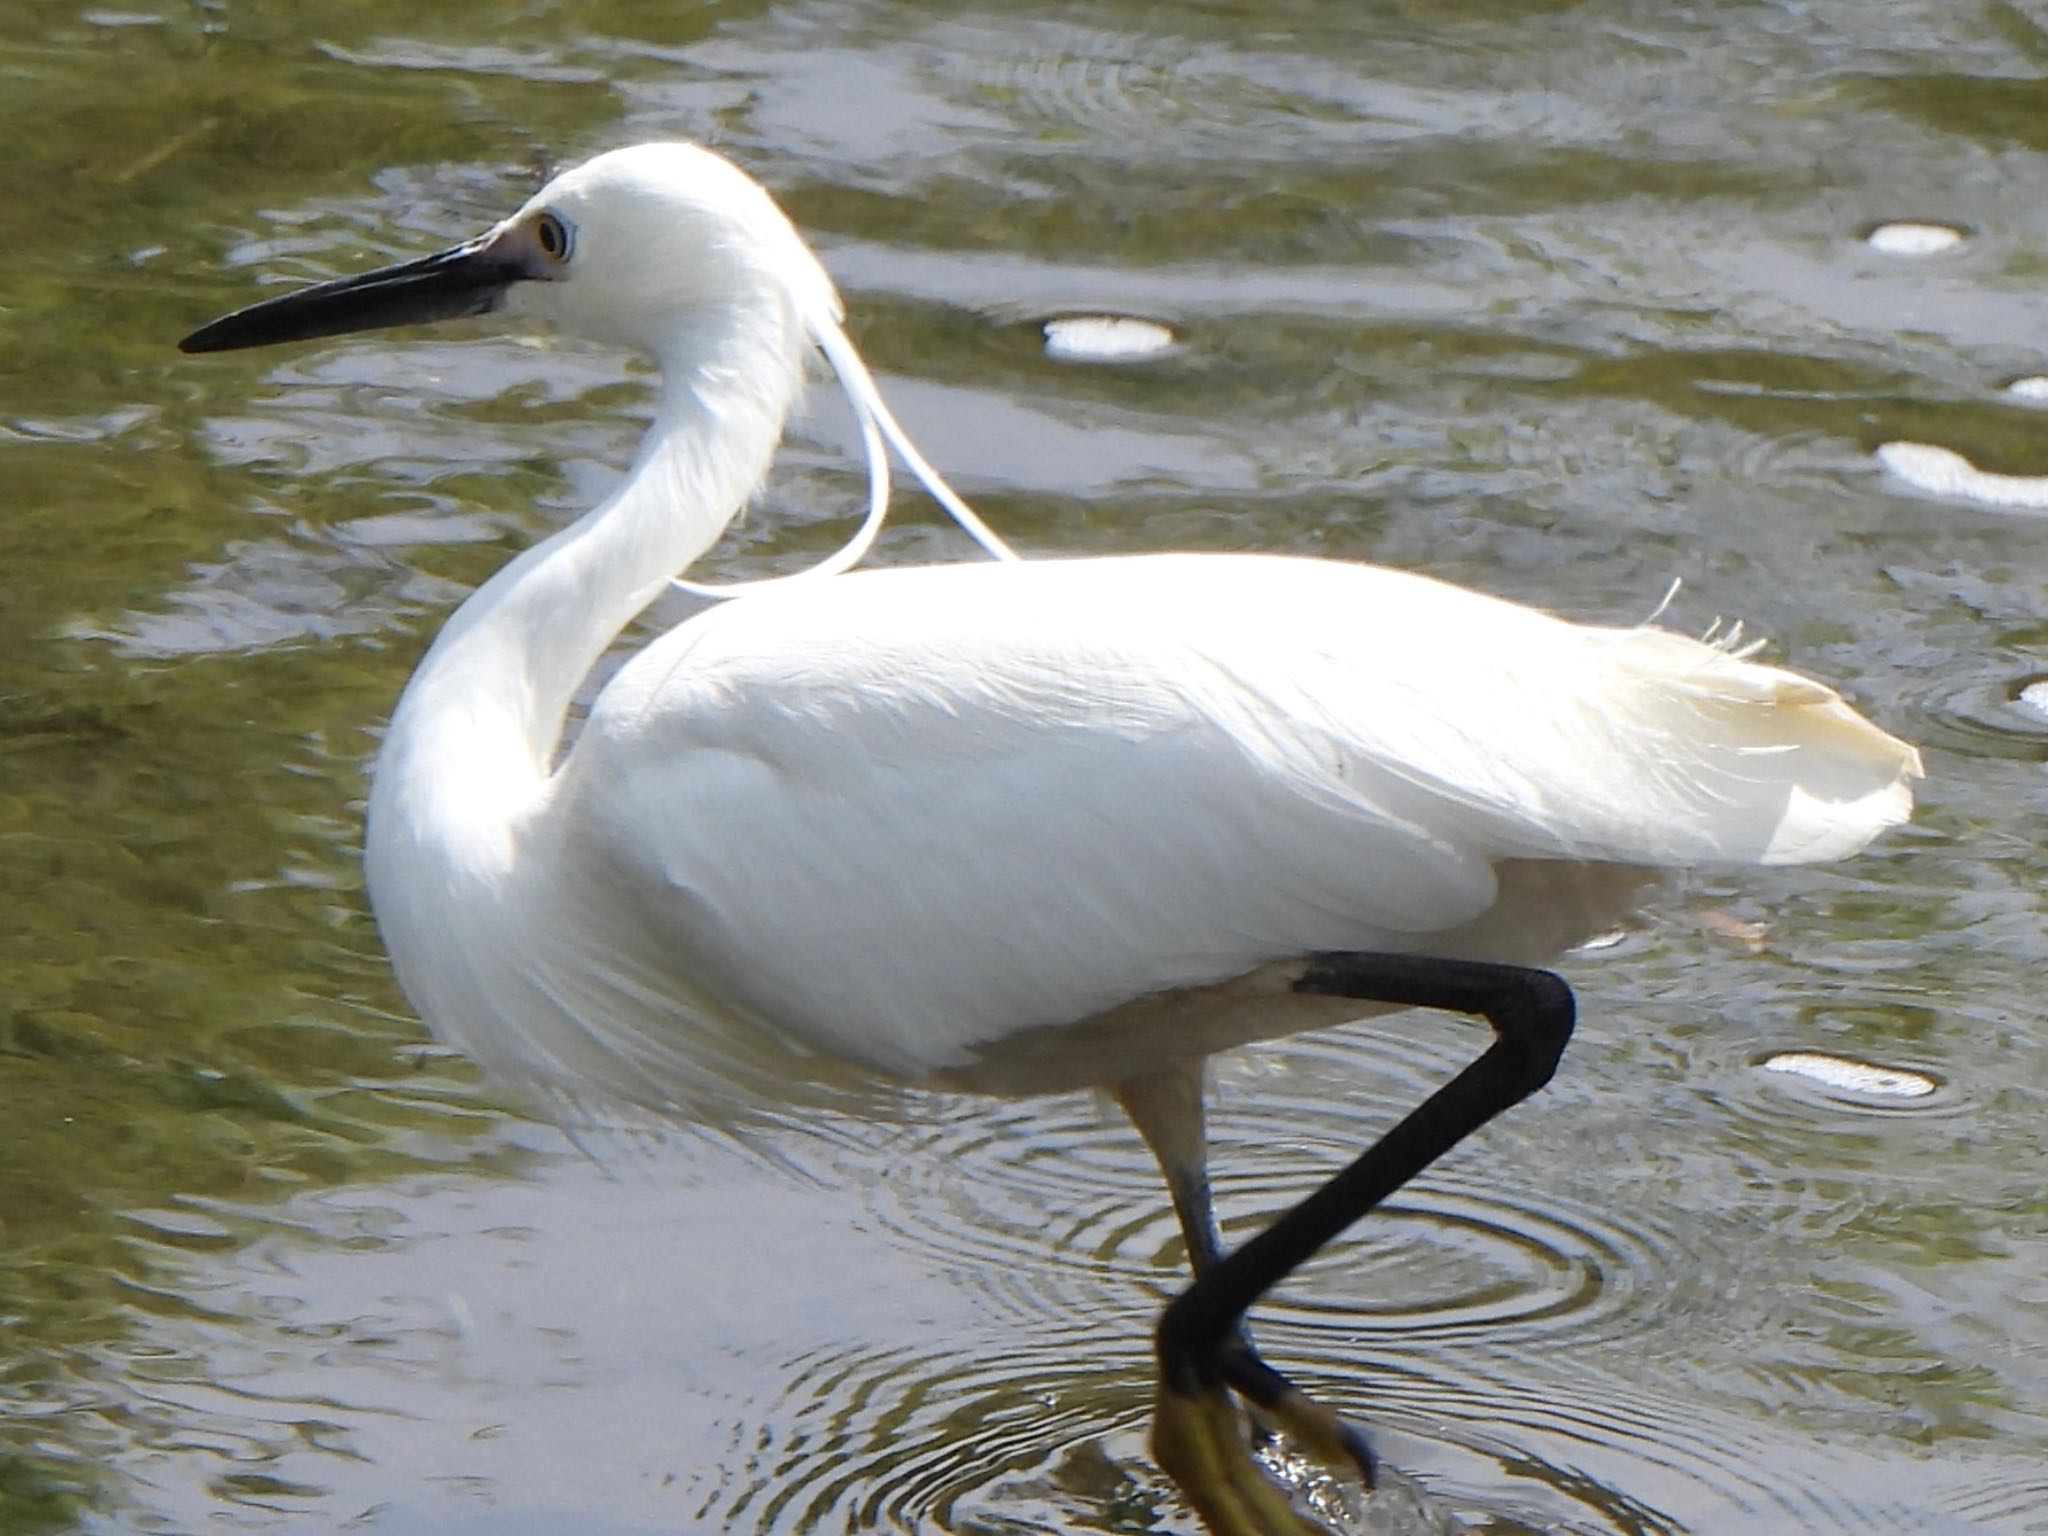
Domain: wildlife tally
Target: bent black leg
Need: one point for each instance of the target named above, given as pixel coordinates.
(1199, 1338)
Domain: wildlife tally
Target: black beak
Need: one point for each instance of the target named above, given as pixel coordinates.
(469, 279)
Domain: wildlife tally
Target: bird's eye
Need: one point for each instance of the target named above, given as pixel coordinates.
(553, 236)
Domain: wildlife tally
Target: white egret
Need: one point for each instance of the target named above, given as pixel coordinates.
(1014, 826)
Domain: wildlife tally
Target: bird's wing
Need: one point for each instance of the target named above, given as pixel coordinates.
(905, 813)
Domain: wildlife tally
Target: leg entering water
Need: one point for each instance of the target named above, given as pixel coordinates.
(1167, 1108)
(1203, 1350)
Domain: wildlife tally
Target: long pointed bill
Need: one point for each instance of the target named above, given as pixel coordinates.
(469, 279)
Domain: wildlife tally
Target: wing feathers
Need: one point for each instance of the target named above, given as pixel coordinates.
(904, 813)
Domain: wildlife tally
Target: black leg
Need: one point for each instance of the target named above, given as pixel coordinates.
(1199, 1338)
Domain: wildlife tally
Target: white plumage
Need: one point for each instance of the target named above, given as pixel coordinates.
(1013, 825)
(895, 817)
(892, 818)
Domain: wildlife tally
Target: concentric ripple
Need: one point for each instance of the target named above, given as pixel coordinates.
(1988, 710)
(1517, 1326)
(867, 1440)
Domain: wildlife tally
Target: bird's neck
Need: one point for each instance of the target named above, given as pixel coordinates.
(483, 715)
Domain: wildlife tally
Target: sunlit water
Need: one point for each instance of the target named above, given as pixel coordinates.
(1559, 301)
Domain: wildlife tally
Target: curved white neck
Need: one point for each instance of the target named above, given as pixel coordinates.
(479, 728)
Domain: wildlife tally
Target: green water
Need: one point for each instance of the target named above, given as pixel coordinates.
(1561, 301)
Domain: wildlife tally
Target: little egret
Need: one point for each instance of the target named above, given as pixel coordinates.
(1014, 826)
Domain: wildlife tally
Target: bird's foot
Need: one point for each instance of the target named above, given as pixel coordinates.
(1199, 1438)
(1281, 1407)
(1203, 1442)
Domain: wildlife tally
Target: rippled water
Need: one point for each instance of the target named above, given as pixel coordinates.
(1561, 301)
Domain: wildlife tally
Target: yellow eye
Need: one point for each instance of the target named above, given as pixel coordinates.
(553, 236)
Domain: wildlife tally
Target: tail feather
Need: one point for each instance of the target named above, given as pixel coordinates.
(1822, 780)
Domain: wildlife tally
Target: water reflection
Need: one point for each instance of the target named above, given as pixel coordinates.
(1561, 301)
(654, 1339)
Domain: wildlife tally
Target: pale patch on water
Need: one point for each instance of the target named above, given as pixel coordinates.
(1105, 338)
(1914, 239)
(1944, 472)
(1853, 1076)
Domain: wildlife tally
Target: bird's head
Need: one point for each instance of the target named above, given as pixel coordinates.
(638, 247)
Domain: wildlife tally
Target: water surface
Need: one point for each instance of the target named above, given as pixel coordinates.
(1562, 301)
